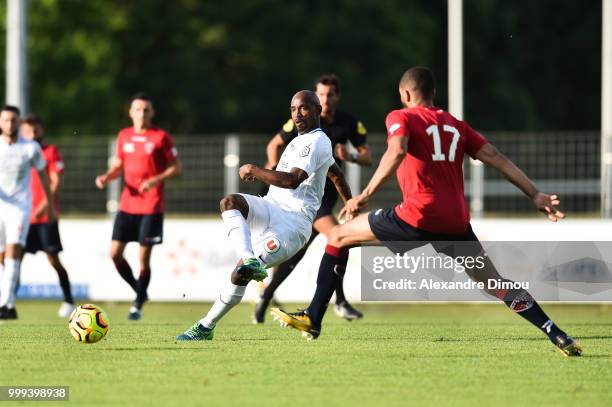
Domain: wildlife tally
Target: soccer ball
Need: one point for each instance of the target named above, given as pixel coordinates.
(88, 323)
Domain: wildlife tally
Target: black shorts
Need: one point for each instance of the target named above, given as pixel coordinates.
(400, 237)
(44, 237)
(148, 230)
(330, 197)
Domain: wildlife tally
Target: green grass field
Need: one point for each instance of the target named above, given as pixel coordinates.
(399, 355)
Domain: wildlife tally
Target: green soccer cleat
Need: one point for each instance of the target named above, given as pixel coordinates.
(251, 269)
(197, 333)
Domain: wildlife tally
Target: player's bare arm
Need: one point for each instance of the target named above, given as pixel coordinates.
(362, 157)
(44, 180)
(174, 169)
(288, 180)
(391, 159)
(273, 151)
(336, 175)
(55, 180)
(545, 203)
(112, 173)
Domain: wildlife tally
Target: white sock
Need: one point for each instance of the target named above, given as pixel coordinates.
(9, 282)
(229, 298)
(238, 232)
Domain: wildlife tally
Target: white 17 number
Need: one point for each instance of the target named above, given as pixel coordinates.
(435, 133)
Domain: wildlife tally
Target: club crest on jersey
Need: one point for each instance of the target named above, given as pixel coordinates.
(149, 147)
(272, 245)
(305, 151)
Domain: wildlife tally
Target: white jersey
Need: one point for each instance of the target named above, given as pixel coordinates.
(15, 162)
(311, 152)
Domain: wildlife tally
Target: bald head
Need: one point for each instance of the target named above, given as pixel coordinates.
(305, 111)
(307, 96)
(420, 82)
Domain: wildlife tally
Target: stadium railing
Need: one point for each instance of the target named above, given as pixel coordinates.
(566, 163)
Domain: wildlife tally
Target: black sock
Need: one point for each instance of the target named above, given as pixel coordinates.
(331, 271)
(125, 271)
(141, 287)
(521, 302)
(340, 297)
(64, 283)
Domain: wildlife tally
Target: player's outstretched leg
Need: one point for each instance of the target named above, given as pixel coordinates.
(522, 303)
(234, 210)
(228, 299)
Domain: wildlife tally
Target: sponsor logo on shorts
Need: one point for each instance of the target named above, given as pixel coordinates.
(272, 245)
(154, 239)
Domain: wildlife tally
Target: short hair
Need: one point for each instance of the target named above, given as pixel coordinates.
(33, 120)
(420, 79)
(10, 108)
(329, 79)
(141, 96)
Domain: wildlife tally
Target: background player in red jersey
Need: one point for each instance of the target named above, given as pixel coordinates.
(44, 235)
(426, 146)
(147, 157)
(341, 127)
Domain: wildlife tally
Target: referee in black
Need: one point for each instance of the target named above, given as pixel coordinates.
(340, 127)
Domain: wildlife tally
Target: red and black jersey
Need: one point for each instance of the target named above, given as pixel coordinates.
(144, 155)
(431, 174)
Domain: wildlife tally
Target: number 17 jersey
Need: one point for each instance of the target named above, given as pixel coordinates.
(431, 174)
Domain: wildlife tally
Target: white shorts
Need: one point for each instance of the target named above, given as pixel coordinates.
(14, 225)
(276, 234)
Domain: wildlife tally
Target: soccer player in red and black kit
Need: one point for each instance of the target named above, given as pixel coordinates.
(147, 157)
(44, 235)
(340, 127)
(426, 146)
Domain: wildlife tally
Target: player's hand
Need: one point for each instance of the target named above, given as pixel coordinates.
(547, 204)
(41, 211)
(347, 216)
(101, 181)
(342, 153)
(147, 185)
(354, 206)
(247, 172)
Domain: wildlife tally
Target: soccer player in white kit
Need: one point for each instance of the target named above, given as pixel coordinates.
(267, 231)
(17, 156)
